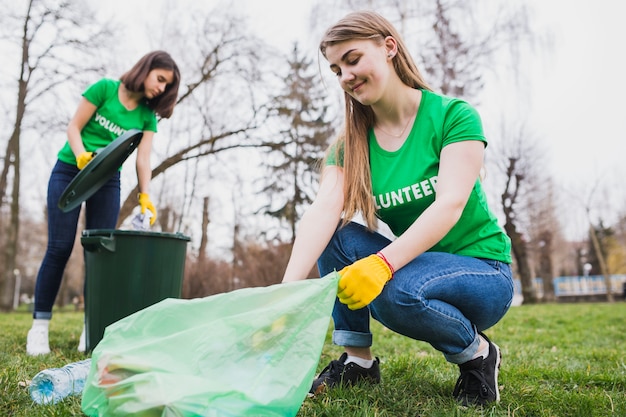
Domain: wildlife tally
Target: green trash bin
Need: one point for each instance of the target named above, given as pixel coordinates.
(126, 271)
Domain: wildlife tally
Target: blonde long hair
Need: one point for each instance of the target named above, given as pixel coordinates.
(359, 119)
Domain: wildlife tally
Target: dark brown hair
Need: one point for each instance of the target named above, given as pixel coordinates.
(163, 104)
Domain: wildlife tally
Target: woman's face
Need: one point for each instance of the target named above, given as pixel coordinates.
(156, 81)
(362, 68)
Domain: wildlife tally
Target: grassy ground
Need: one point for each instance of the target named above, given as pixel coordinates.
(558, 360)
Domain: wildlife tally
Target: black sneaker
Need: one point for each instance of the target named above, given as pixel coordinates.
(478, 383)
(338, 372)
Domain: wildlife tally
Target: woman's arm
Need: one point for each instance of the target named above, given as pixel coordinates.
(144, 170)
(317, 226)
(459, 168)
(82, 115)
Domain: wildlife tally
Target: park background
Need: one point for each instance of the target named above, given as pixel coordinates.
(235, 167)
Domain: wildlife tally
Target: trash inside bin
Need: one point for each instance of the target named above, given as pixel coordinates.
(126, 271)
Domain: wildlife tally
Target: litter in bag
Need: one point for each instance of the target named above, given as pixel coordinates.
(249, 352)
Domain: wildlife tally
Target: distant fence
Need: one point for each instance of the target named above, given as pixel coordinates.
(591, 286)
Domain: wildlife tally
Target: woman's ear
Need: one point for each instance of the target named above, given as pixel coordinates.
(391, 46)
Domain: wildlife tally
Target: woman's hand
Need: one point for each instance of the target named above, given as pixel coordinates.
(146, 204)
(363, 281)
(83, 159)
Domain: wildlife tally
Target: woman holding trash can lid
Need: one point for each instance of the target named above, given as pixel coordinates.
(107, 109)
(411, 158)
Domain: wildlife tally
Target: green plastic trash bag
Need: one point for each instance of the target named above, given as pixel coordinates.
(250, 352)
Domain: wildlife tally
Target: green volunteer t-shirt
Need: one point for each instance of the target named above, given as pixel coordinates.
(404, 181)
(110, 120)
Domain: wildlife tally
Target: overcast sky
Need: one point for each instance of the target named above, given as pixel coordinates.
(576, 93)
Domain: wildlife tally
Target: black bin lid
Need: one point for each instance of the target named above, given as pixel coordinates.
(99, 170)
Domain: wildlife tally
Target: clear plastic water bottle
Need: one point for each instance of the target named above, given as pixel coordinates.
(52, 385)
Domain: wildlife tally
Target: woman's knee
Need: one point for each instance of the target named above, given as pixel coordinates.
(394, 306)
(60, 249)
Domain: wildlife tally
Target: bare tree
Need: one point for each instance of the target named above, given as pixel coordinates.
(601, 203)
(509, 198)
(55, 46)
(220, 106)
(520, 162)
(466, 39)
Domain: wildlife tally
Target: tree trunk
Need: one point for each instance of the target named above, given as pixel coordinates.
(546, 267)
(520, 253)
(12, 159)
(205, 225)
(7, 280)
(602, 262)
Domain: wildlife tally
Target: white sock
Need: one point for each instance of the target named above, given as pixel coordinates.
(41, 323)
(363, 363)
(484, 352)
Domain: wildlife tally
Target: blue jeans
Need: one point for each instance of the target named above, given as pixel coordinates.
(102, 210)
(439, 298)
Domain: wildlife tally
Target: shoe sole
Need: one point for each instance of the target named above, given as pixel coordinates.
(497, 370)
(323, 387)
(33, 348)
(37, 353)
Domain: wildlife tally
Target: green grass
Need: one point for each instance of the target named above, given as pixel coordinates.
(559, 360)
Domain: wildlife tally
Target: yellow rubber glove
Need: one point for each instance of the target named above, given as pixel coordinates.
(146, 204)
(83, 159)
(363, 281)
